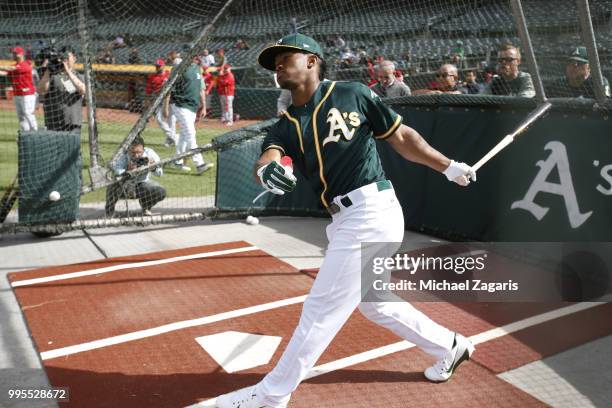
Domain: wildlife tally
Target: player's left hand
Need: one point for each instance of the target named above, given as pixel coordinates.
(460, 173)
(276, 178)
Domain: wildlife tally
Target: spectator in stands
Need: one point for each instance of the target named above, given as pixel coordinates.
(458, 55)
(362, 55)
(388, 86)
(347, 58)
(62, 91)
(174, 58)
(155, 82)
(139, 186)
(24, 92)
(446, 82)
(241, 45)
(207, 59)
(471, 85)
(226, 85)
(578, 82)
(105, 56)
(220, 58)
(118, 42)
(511, 81)
(187, 102)
(134, 57)
(339, 42)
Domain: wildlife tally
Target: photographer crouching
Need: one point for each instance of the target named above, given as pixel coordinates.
(137, 186)
(61, 90)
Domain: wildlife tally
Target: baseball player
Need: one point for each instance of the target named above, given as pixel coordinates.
(187, 103)
(329, 131)
(225, 88)
(24, 90)
(155, 82)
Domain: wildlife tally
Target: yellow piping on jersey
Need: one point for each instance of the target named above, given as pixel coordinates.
(297, 127)
(316, 140)
(392, 129)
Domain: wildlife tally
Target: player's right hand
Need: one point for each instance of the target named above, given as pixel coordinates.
(276, 178)
(460, 173)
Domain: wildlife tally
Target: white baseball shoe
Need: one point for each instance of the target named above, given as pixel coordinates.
(205, 167)
(243, 398)
(443, 369)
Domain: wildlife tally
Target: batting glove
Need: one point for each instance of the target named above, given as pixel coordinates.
(276, 178)
(460, 173)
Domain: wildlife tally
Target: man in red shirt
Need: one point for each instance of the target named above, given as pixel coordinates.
(225, 88)
(24, 90)
(155, 82)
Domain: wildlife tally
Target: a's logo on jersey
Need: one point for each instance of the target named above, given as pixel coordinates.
(338, 127)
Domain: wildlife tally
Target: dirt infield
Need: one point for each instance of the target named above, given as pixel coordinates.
(122, 116)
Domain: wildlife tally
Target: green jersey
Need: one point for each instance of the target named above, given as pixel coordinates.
(331, 138)
(186, 90)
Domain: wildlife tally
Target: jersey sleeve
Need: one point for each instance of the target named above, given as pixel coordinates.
(274, 139)
(384, 121)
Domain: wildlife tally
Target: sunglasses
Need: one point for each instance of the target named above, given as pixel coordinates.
(506, 59)
(446, 75)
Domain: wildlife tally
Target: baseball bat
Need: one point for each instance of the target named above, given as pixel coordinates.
(532, 117)
(8, 200)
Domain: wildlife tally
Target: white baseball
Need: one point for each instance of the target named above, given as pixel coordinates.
(252, 220)
(54, 196)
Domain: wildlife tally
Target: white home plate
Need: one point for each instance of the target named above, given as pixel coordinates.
(236, 351)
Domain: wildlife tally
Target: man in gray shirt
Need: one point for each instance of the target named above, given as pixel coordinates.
(388, 86)
(62, 90)
(510, 81)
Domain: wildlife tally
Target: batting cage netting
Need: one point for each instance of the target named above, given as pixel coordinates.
(95, 131)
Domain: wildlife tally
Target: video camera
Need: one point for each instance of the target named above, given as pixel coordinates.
(140, 161)
(54, 57)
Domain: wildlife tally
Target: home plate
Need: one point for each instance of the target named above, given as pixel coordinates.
(236, 351)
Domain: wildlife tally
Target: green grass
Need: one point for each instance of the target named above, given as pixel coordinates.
(110, 135)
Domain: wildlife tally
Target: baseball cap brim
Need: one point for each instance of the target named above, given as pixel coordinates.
(579, 59)
(268, 55)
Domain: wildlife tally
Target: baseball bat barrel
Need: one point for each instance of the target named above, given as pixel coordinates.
(521, 128)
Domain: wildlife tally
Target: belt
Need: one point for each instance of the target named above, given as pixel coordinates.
(347, 202)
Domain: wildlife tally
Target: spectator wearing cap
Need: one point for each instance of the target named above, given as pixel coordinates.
(155, 82)
(388, 86)
(24, 90)
(510, 80)
(226, 85)
(578, 82)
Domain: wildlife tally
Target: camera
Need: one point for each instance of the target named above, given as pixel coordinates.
(140, 161)
(54, 57)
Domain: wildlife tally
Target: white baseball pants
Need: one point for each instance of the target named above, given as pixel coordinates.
(167, 125)
(374, 216)
(227, 108)
(187, 135)
(25, 105)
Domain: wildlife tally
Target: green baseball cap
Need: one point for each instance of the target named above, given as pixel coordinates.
(579, 54)
(291, 42)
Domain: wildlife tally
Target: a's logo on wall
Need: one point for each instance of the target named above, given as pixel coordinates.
(338, 127)
(565, 188)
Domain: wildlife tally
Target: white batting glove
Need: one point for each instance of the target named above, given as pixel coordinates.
(460, 173)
